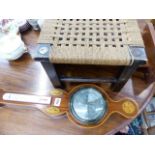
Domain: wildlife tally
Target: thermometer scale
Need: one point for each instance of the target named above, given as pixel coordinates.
(85, 105)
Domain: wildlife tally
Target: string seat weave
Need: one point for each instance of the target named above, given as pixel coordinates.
(91, 41)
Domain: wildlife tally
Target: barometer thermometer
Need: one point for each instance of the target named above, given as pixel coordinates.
(85, 105)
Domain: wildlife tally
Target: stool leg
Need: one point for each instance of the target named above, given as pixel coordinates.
(124, 76)
(51, 72)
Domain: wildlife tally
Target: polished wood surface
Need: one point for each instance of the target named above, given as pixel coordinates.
(126, 107)
(28, 76)
(121, 107)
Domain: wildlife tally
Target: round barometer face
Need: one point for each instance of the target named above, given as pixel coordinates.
(88, 105)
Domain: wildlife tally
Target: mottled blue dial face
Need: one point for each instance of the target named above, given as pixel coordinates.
(88, 105)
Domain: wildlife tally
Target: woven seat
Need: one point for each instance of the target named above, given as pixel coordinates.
(91, 41)
(66, 45)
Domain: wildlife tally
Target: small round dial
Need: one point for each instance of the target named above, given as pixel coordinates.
(88, 105)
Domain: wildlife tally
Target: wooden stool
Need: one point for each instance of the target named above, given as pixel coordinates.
(91, 42)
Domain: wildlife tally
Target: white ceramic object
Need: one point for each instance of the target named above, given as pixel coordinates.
(40, 23)
(11, 47)
(10, 27)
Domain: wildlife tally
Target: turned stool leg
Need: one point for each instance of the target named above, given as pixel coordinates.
(140, 58)
(52, 74)
(124, 76)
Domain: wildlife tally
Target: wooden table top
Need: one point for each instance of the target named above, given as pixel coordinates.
(28, 76)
